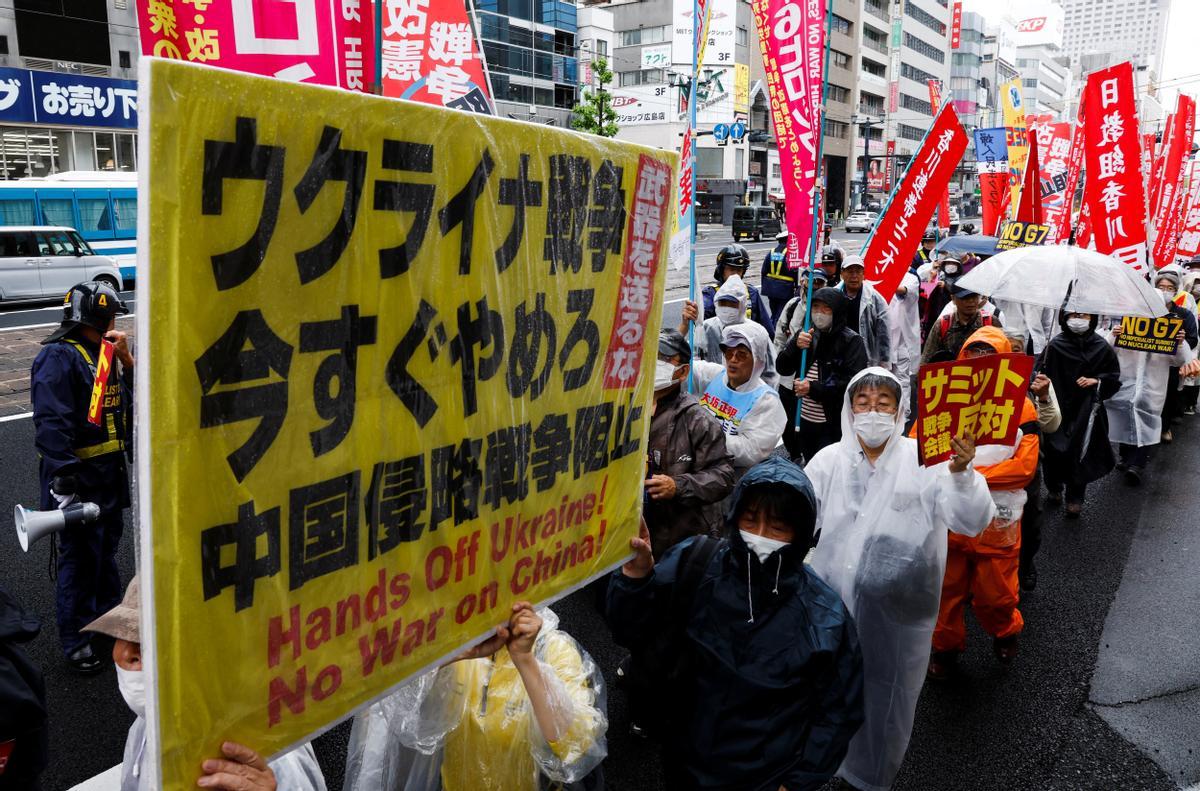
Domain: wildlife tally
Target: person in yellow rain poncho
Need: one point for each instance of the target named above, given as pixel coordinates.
(523, 708)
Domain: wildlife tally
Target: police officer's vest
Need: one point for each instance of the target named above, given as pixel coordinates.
(729, 406)
(777, 267)
(111, 405)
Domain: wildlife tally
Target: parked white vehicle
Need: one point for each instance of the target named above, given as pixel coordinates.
(861, 221)
(44, 261)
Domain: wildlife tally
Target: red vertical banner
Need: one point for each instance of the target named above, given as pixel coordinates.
(1030, 208)
(1112, 153)
(894, 240)
(430, 55)
(1166, 209)
(792, 39)
(1189, 236)
(1074, 166)
(891, 166)
(956, 25)
(1056, 203)
(943, 209)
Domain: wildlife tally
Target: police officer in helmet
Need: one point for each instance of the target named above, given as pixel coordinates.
(734, 260)
(81, 439)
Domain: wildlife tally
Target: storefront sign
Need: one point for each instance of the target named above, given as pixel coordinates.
(50, 97)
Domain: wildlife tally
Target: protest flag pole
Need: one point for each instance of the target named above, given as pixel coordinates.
(818, 193)
(697, 32)
(378, 86)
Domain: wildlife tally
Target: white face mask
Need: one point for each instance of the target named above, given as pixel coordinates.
(822, 320)
(730, 314)
(663, 373)
(1168, 296)
(761, 545)
(874, 428)
(1079, 326)
(133, 688)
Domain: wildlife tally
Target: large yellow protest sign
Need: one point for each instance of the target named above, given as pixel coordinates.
(1013, 102)
(397, 366)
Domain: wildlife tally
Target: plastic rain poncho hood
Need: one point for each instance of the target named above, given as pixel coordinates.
(713, 331)
(883, 549)
(469, 725)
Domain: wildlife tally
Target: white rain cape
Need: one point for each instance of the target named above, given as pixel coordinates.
(882, 547)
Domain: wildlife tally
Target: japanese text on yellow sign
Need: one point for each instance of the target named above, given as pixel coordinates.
(1021, 234)
(1011, 98)
(401, 364)
(982, 397)
(1157, 336)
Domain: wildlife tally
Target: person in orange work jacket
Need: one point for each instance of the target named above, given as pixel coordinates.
(984, 568)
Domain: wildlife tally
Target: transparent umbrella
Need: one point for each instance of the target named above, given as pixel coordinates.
(1048, 276)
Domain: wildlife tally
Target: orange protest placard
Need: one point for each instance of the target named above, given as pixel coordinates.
(982, 397)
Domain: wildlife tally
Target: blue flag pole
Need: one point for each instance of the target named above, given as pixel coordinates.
(697, 32)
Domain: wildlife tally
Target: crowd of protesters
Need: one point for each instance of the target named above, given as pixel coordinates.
(799, 574)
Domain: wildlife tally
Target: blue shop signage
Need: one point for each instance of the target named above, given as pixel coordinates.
(50, 97)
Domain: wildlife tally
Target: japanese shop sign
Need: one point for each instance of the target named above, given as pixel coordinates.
(894, 240)
(956, 25)
(49, 97)
(1112, 150)
(1018, 145)
(298, 40)
(1157, 336)
(430, 55)
(982, 397)
(791, 35)
(1021, 234)
(400, 381)
(658, 57)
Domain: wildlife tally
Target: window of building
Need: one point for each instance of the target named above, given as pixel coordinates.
(643, 77)
(710, 163)
(776, 171)
(836, 93)
(870, 103)
(840, 24)
(836, 129)
(123, 59)
(875, 39)
(644, 35)
(839, 59)
(921, 47)
(917, 105)
(601, 47)
(871, 67)
(1029, 82)
(925, 18)
(913, 73)
(877, 7)
(910, 132)
(743, 37)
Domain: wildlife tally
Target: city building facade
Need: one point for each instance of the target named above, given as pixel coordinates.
(532, 55)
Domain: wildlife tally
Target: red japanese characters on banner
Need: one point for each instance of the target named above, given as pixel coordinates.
(1189, 237)
(324, 43)
(1168, 206)
(943, 208)
(1112, 151)
(1074, 167)
(956, 25)
(1056, 203)
(894, 240)
(647, 228)
(430, 55)
(792, 38)
(1029, 210)
(983, 397)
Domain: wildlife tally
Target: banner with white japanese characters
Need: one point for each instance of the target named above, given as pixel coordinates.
(1074, 168)
(893, 242)
(1166, 210)
(791, 34)
(430, 55)
(1112, 153)
(991, 164)
(1056, 201)
(402, 369)
(298, 41)
(51, 97)
(1189, 236)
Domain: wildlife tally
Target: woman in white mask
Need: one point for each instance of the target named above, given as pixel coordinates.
(241, 769)
(883, 518)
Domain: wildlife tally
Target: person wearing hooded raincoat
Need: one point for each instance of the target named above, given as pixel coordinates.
(470, 725)
(731, 302)
(747, 408)
(984, 569)
(770, 687)
(883, 524)
(1085, 373)
(835, 354)
(1135, 412)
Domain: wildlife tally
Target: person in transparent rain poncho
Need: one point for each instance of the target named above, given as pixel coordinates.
(883, 521)
(522, 711)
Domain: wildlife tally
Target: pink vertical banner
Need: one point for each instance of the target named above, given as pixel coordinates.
(1167, 206)
(1074, 166)
(792, 37)
(1056, 203)
(1189, 237)
(298, 40)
